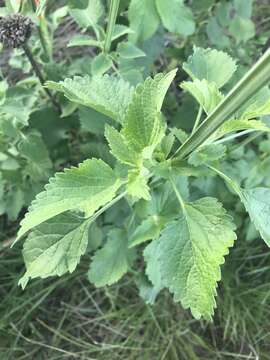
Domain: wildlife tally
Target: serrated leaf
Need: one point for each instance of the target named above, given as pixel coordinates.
(143, 19)
(191, 250)
(107, 94)
(176, 17)
(207, 94)
(84, 188)
(235, 125)
(112, 261)
(55, 247)
(119, 147)
(207, 154)
(211, 65)
(143, 127)
(257, 203)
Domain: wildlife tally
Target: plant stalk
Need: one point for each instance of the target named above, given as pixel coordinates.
(253, 81)
(114, 7)
(38, 73)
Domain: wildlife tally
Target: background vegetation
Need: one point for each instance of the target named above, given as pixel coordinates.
(67, 318)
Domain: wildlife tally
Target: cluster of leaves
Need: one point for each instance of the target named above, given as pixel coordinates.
(131, 203)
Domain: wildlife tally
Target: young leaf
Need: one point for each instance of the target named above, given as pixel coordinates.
(143, 127)
(211, 65)
(89, 15)
(137, 185)
(176, 17)
(191, 250)
(119, 147)
(143, 19)
(206, 93)
(257, 203)
(107, 94)
(111, 262)
(86, 188)
(55, 247)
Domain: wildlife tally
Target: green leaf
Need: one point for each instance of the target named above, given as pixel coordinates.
(92, 121)
(143, 19)
(143, 127)
(55, 247)
(84, 188)
(112, 261)
(119, 147)
(207, 94)
(100, 64)
(234, 125)
(211, 65)
(137, 184)
(242, 29)
(83, 40)
(89, 15)
(207, 154)
(107, 94)
(176, 17)
(127, 50)
(153, 269)
(120, 30)
(191, 250)
(149, 229)
(257, 203)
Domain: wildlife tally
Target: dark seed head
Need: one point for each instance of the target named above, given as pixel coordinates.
(15, 30)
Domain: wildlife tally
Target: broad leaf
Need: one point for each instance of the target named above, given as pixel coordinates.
(107, 94)
(143, 19)
(137, 184)
(207, 154)
(207, 94)
(149, 229)
(143, 127)
(211, 65)
(85, 188)
(112, 261)
(55, 247)
(176, 17)
(88, 15)
(191, 250)
(153, 271)
(257, 203)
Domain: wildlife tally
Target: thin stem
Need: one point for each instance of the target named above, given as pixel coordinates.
(36, 69)
(246, 141)
(197, 121)
(178, 195)
(114, 6)
(234, 136)
(253, 81)
(230, 181)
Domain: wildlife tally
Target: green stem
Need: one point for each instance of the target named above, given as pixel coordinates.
(197, 121)
(252, 82)
(230, 181)
(178, 195)
(114, 6)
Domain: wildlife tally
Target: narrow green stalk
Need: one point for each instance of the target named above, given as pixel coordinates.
(253, 81)
(114, 6)
(197, 121)
(178, 195)
(229, 181)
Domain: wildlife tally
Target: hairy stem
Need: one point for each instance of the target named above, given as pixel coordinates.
(114, 6)
(38, 73)
(253, 81)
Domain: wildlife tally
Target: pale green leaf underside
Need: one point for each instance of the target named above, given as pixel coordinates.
(206, 93)
(191, 250)
(143, 127)
(211, 65)
(257, 203)
(111, 262)
(55, 247)
(235, 125)
(152, 270)
(106, 94)
(84, 188)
